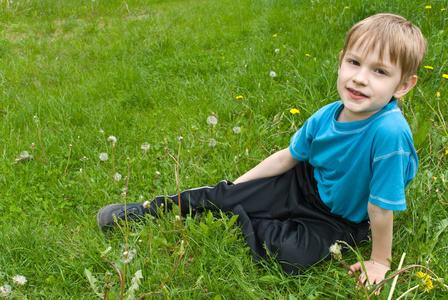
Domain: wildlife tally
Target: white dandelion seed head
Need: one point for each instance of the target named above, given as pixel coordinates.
(146, 204)
(177, 217)
(272, 74)
(335, 251)
(277, 50)
(5, 290)
(236, 130)
(19, 279)
(212, 120)
(145, 146)
(117, 176)
(335, 248)
(157, 173)
(24, 155)
(80, 170)
(212, 142)
(36, 119)
(104, 156)
(32, 145)
(128, 255)
(180, 139)
(112, 139)
(101, 131)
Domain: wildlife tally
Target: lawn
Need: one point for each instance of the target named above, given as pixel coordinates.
(150, 73)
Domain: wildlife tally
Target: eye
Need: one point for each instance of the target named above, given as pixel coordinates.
(353, 62)
(381, 71)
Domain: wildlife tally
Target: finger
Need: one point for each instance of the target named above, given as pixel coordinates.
(362, 280)
(355, 267)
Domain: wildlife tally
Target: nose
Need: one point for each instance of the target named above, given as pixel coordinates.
(360, 77)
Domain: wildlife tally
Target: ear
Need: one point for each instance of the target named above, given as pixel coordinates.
(405, 87)
(341, 55)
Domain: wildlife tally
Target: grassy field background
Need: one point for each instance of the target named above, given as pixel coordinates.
(152, 71)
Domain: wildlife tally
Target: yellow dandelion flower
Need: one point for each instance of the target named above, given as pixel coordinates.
(434, 178)
(238, 97)
(346, 7)
(445, 76)
(428, 67)
(428, 6)
(446, 152)
(307, 54)
(294, 111)
(442, 9)
(438, 94)
(275, 35)
(427, 282)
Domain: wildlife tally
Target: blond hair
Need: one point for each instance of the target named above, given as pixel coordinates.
(403, 40)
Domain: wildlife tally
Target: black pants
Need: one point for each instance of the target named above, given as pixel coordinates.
(281, 217)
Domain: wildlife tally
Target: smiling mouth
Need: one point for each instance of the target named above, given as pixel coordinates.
(356, 93)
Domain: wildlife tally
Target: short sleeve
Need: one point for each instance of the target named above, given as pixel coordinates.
(394, 165)
(301, 143)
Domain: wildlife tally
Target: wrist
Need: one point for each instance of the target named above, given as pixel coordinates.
(383, 262)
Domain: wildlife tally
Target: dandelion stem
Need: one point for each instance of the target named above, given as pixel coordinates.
(119, 274)
(178, 183)
(127, 228)
(250, 124)
(118, 225)
(122, 283)
(105, 292)
(357, 278)
(105, 141)
(178, 189)
(68, 160)
(155, 182)
(84, 171)
(125, 197)
(38, 156)
(113, 163)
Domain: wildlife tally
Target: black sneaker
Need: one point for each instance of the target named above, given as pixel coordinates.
(105, 216)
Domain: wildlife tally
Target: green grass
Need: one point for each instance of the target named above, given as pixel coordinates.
(151, 71)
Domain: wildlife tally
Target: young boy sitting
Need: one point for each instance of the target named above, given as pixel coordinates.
(349, 163)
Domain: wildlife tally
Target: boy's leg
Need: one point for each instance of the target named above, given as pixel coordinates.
(272, 198)
(300, 242)
(278, 197)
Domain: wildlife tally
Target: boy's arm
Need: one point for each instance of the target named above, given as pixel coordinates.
(276, 164)
(381, 223)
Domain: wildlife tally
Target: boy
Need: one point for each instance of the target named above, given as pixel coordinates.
(349, 163)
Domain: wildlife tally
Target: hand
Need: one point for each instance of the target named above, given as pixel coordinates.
(376, 272)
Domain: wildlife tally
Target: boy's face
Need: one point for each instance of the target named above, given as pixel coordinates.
(366, 84)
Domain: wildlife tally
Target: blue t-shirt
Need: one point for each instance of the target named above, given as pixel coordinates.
(358, 162)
